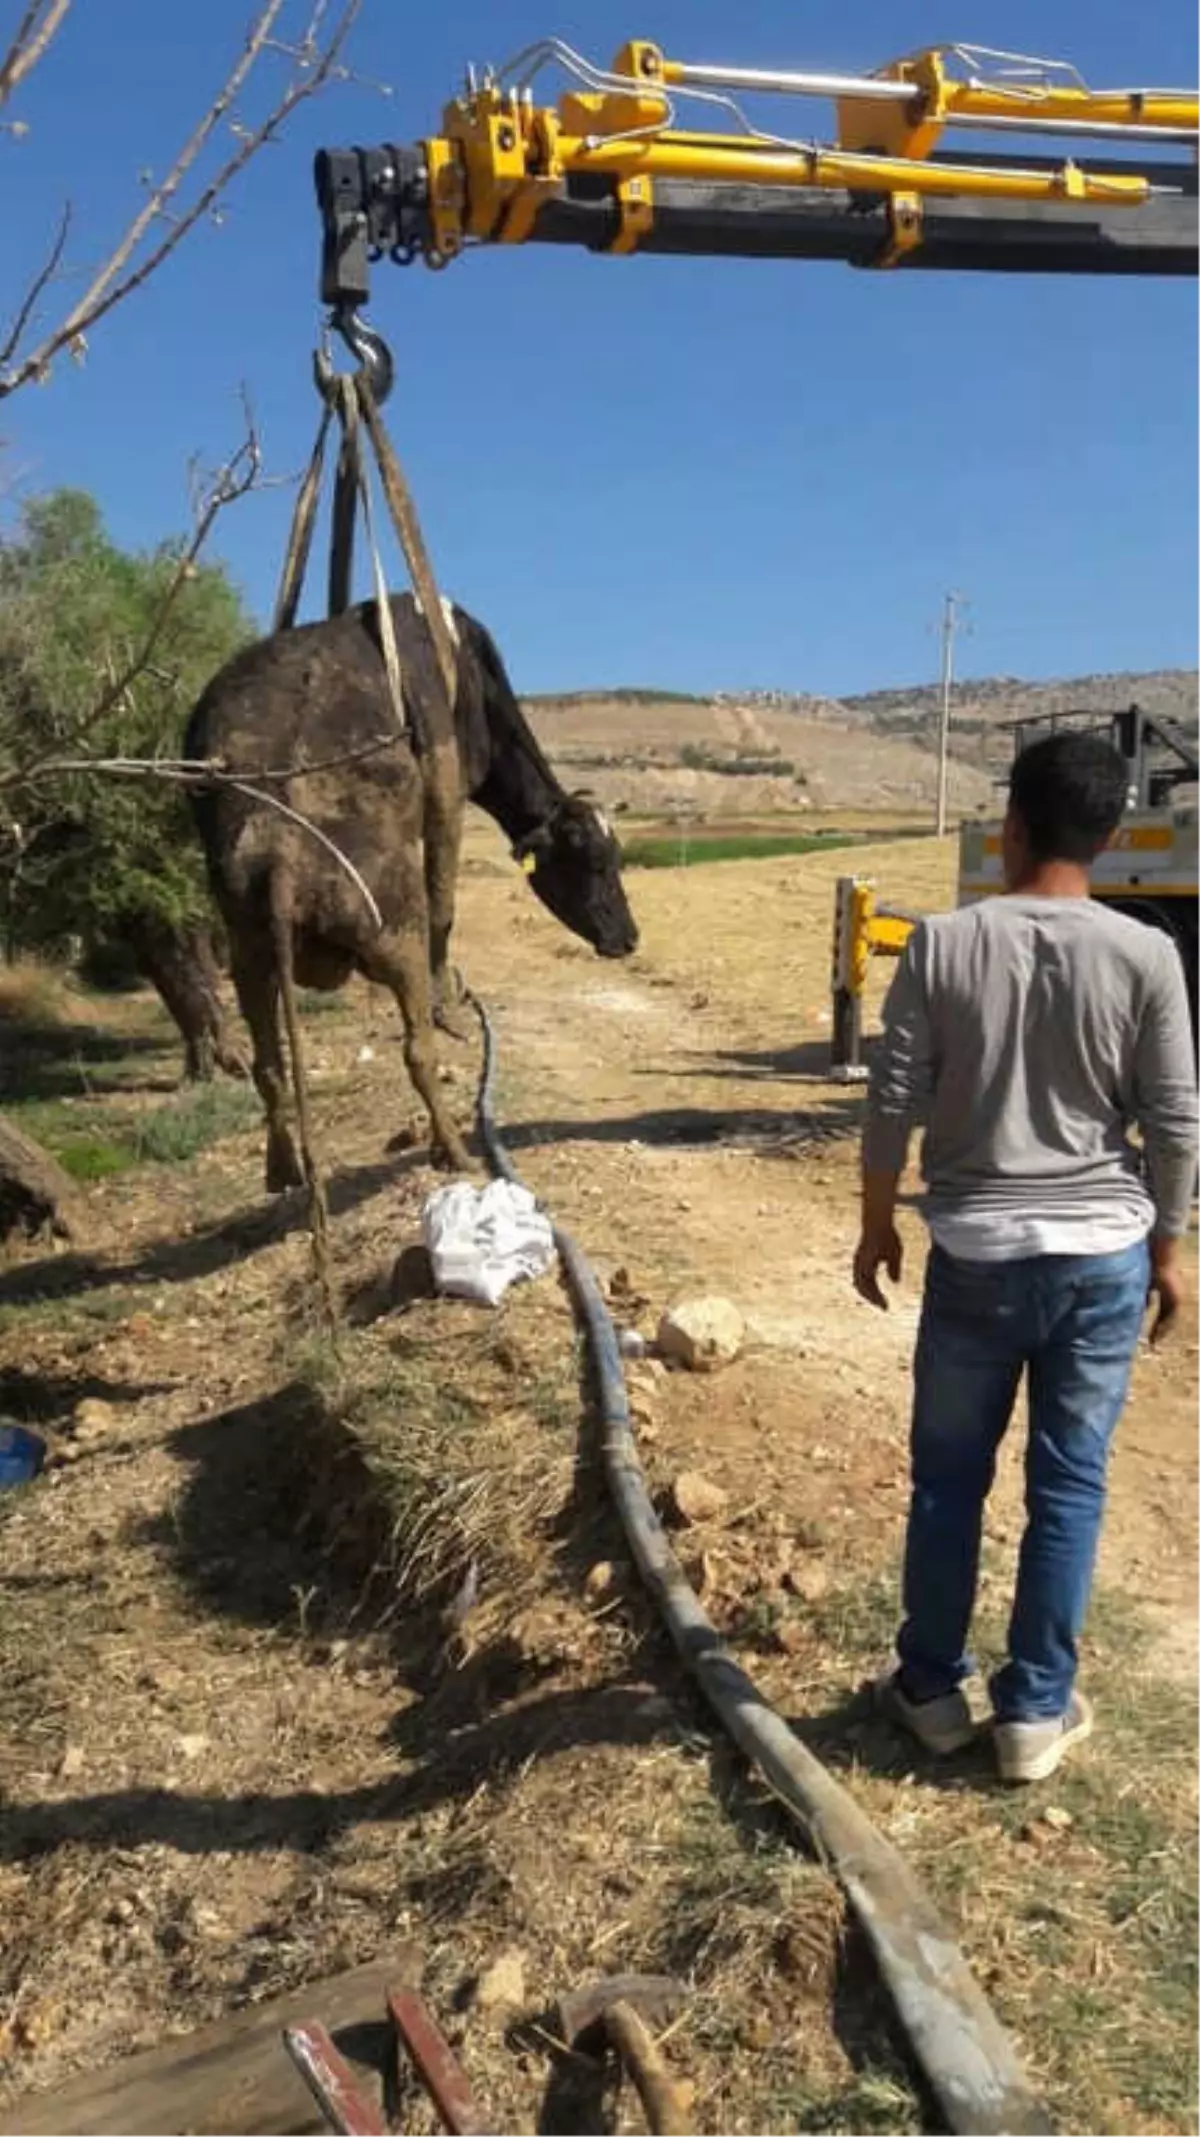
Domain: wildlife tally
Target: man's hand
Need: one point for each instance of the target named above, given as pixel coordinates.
(881, 1249)
(1167, 1287)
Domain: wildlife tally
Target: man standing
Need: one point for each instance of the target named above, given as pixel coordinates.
(1027, 1034)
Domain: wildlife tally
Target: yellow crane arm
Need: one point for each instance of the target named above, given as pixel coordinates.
(610, 166)
(954, 85)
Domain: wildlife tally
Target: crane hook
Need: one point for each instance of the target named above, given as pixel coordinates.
(372, 351)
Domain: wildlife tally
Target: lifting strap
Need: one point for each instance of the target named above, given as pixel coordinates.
(351, 400)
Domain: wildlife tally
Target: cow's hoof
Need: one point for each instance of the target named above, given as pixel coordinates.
(456, 1023)
(284, 1169)
(451, 1156)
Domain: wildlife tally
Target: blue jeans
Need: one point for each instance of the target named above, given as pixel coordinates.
(1072, 1322)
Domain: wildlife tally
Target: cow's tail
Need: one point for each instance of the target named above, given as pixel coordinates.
(285, 965)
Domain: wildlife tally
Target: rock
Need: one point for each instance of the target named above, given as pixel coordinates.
(631, 1343)
(696, 1498)
(72, 1762)
(702, 1333)
(1058, 1819)
(600, 1580)
(810, 1581)
(501, 1987)
(92, 1417)
(790, 1636)
(191, 1747)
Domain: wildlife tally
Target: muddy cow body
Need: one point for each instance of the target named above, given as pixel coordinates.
(391, 806)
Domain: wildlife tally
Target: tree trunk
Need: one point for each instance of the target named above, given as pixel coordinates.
(181, 964)
(35, 1193)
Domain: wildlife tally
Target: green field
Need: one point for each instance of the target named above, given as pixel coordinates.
(688, 851)
(689, 848)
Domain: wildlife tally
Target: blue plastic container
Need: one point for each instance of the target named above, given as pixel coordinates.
(22, 1454)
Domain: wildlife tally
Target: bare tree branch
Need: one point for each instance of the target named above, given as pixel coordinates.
(121, 273)
(238, 476)
(200, 772)
(204, 771)
(36, 32)
(44, 275)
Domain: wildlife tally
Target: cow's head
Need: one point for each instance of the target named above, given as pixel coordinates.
(573, 862)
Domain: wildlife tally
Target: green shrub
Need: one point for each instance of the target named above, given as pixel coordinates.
(175, 1132)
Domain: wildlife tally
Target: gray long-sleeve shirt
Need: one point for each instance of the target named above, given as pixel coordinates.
(1027, 1036)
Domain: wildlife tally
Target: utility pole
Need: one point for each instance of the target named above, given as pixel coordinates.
(950, 621)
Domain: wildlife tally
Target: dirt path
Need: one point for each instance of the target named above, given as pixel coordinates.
(216, 1785)
(679, 1118)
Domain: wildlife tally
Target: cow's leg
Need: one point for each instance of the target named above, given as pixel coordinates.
(442, 827)
(257, 984)
(399, 959)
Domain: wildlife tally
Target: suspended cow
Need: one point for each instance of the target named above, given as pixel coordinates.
(367, 883)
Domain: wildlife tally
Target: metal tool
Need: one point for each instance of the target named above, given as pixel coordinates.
(618, 2013)
(349, 2109)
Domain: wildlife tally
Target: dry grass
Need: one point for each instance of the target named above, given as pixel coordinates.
(32, 993)
(466, 1424)
(1081, 1926)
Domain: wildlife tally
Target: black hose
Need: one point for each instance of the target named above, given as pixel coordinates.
(967, 2058)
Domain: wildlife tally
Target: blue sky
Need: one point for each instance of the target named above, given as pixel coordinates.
(701, 474)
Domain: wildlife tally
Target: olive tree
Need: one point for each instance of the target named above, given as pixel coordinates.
(85, 858)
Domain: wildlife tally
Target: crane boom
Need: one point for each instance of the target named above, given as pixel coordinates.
(609, 168)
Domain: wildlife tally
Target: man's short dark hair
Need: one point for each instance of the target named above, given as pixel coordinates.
(1069, 791)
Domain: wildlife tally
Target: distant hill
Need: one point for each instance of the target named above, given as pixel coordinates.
(669, 753)
(979, 707)
(1168, 690)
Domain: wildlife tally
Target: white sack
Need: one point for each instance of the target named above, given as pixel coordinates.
(482, 1239)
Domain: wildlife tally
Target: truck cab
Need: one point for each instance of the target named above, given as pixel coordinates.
(1150, 868)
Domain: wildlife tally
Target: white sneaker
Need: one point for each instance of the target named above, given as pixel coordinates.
(1032, 1750)
(940, 1725)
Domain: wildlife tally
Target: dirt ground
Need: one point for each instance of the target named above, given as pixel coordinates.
(222, 1777)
